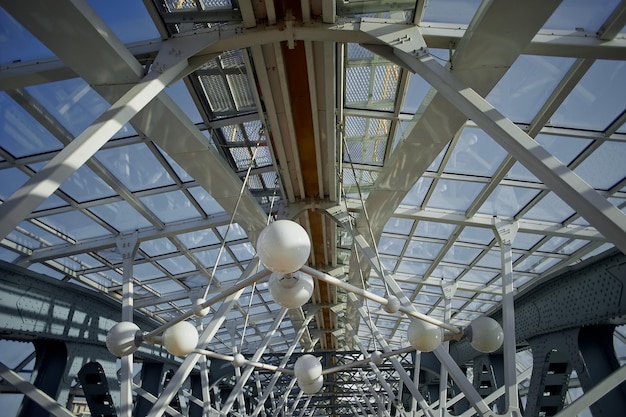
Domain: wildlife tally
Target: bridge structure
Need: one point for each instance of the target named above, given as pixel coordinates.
(567, 322)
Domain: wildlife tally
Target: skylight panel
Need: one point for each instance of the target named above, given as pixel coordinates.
(11, 180)
(181, 96)
(390, 245)
(177, 265)
(415, 93)
(582, 15)
(450, 11)
(198, 238)
(415, 197)
(206, 201)
(21, 134)
(243, 251)
(551, 209)
(479, 235)
(399, 226)
(76, 225)
(527, 85)
(462, 255)
(23, 240)
(135, 166)
(433, 229)
(121, 215)
(413, 267)
(565, 149)
(597, 100)
(74, 104)
(454, 195)
(525, 241)
(84, 185)
(129, 20)
(475, 154)
(145, 271)
(156, 247)
(17, 44)
(171, 207)
(507, 201)
(423, 250)
(605, 167)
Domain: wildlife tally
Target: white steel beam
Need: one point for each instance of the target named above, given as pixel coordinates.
(597, 210)
(44, 400)
(46, 181)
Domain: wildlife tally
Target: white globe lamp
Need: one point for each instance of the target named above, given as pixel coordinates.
(424, 336)
(283, 246)
(198, 309)
(485, 334)
(313, 387)
(393, 304)
(376, 357)
(307, 369)
(121, 338)
(291, 290)
(239, 360)
(181, 338)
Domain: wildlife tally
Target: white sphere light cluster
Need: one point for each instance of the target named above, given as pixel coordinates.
(181, 338)
(424, 336)
(308, 372)
(283, 246)
(291, 290)
(121, 339)
(485, 334)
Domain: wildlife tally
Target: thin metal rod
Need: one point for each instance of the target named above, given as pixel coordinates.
(216, 355)
(380, 300)
(362, 362)
(221, 296)
(44, 400)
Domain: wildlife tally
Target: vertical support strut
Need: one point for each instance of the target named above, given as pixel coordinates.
(127, 247)
(505, 233)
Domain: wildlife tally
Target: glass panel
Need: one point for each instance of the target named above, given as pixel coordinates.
(243, 252)
(84, 185)
(475, 154)
(415, 93)
(75, 225)
(565, 149)
(597, 99)
(550, 208)
(17, 44)
(11, 179)
(74, 104)
(206, 201)
(480, 235)
(177, 265)
(507, 201)
(434, 229)
(450, 11)
(180, 94)
(581, 14)
(398, 226)
(454, 195)
(605, 167)
(21, 134)
(366, 140)
(157, 247)
(423, 250)
(525, 241)
(198, 238)
(390, 245)
(527, 85)
(415, 197)
(171, 207)
(129, 20)
(135, 166)
(461, 254)
(121, 216)
(208, 258)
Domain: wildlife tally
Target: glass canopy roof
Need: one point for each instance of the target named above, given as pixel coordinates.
(295, 127)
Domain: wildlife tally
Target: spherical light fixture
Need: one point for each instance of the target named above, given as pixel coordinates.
(181, 338)
(291, 290)
(239, 360)
(283, 246)
(121, 338)
(314, 387)
(485, 334)
(424, 336)
(198, 309)
(393, 304)
(376, 357)
(307, 369)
